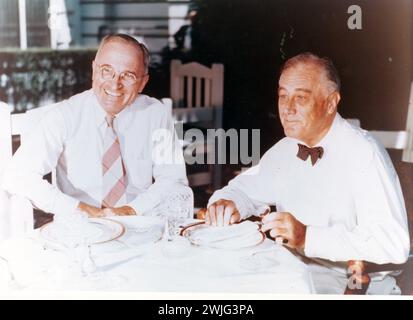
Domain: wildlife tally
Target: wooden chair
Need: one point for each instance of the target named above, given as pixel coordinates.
(398, 140)
(11, 126)
(197, 96)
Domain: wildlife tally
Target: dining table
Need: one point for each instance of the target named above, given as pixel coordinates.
(139, 258)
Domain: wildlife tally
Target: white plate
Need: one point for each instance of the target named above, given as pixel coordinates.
(105, 230)
(141, 229)
(228, 244)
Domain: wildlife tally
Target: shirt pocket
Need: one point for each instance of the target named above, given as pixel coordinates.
(140, 173)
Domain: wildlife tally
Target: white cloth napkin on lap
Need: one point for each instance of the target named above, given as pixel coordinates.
(241, 235)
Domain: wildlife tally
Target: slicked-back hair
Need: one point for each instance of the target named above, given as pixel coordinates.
(324, 63)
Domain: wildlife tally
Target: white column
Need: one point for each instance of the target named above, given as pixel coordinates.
(59, 25)
(408, 152)
(5, 155)
(22, 24)
(175, 11)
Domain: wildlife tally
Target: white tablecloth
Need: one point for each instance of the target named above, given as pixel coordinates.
(153, 269)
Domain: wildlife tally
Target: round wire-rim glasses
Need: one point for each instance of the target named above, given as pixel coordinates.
(127, 78)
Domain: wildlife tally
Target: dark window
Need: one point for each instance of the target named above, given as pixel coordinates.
(9, 23)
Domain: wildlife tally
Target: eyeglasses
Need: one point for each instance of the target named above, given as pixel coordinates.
(126, 78)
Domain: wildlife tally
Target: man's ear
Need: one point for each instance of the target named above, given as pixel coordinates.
(93, 69)
(332, 102)
(143, 84)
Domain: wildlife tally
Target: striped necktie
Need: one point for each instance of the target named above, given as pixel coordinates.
(114, 174)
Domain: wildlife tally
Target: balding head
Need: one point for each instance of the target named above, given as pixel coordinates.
(308, 95)
(142, 51)
(120, 72)
(325, 65)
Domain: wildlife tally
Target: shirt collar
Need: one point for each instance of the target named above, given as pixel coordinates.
(100, 113)
(332, 132)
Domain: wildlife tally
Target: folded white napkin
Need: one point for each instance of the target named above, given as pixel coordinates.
(241, 235)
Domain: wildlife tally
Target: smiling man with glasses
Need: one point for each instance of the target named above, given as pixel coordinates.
(102, 143)
(119, 74)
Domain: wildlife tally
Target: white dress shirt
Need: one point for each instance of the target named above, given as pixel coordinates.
(70, 139)
(350, 200)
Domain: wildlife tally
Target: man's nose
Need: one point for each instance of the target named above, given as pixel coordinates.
(290, 107)
(116, 82)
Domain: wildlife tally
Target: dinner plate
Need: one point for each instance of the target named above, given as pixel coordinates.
(141, 229)
(229, 243)
(103, 230)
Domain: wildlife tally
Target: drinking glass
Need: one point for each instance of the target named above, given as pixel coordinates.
(175, 211)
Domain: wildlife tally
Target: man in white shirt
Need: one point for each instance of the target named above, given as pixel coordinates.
(337, 194)
(107, 144)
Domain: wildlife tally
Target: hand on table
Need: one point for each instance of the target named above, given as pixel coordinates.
(94, 212)
(222, 213)
(286, 226)
(120, 211)
(91, 211)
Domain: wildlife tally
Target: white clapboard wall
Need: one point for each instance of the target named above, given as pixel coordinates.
(153, 22)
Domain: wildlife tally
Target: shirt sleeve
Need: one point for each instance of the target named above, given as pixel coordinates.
(381, 233)
(168, 167)
(251, 191)
(36, 157)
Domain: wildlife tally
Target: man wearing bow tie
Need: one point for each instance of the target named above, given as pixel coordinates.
(336, 192)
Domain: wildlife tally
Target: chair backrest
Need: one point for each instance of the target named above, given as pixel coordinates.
(5, 155)
(405, 173)
(5, 136)
(399, 140)
(20, 210)
(354, 121)
(197, 92)
(408, 151)
(392, 139)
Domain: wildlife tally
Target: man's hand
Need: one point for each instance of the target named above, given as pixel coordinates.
(222, 213)
(121, 211)
(91, 211)
(283, 224)
(94, 212)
